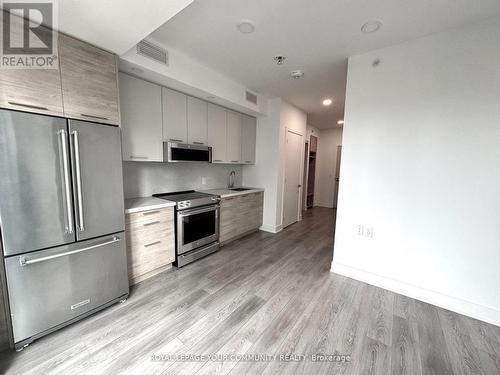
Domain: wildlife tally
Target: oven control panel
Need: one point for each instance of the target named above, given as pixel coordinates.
(184, 204)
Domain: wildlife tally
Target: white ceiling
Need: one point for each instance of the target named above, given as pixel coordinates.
(316, 36)
(115, 25)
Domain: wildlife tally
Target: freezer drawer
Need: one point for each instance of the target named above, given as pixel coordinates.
(50, 287)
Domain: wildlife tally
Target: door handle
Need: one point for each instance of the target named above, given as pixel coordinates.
(25, 262)
(29, 106)
(78, 175)
(67, 185)
(92, 116)
(299, 186)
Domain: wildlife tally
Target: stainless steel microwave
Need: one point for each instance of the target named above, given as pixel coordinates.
(182, 152)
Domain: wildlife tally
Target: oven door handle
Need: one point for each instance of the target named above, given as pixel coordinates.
(195, 211)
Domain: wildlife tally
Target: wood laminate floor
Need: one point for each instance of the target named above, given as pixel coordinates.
(266, 295)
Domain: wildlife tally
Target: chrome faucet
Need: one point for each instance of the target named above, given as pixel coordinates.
(231, 179)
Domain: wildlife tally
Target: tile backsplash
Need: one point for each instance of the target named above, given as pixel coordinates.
(142, 179)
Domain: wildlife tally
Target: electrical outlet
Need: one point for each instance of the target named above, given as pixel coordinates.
(203, 180)
(369, 232)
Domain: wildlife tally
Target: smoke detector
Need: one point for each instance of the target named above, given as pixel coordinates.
(279, 59)
(296, 74)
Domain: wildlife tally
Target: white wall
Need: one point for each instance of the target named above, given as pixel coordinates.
(326, 162)
(311, 130)
(268, 171)
(420, 164)
(143, 179)
(265, 172)
(192, 77)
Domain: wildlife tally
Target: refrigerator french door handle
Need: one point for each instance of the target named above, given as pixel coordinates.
(67, 184)
(25, 262)
(78, 175)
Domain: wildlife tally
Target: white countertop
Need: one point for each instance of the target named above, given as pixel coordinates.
(225, 192)
(133, 205)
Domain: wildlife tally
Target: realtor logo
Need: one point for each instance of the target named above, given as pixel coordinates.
(29, 39)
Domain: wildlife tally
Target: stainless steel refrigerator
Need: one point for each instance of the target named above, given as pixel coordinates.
(61, 221)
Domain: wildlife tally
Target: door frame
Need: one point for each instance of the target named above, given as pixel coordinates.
(283, 177)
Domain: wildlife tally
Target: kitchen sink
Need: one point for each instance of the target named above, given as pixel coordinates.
(239, 189)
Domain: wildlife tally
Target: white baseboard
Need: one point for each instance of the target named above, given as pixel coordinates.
(271, 228)
(485, 313)
(326, 205)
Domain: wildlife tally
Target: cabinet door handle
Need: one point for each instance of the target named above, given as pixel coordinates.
(150, 213)
(176, 140)
(152, 244)
(198, 143)
(92, 116)
(152, 223)
(29, 106)
(139, 157)
(217, 160)
(235, 161)
(248, 161)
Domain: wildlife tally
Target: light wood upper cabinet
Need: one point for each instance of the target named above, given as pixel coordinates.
(233, 137)
(248, 137)
(174, 116)
(89, 81)
(31, 90)
(217, 133)
(140, 103)
(197, 121)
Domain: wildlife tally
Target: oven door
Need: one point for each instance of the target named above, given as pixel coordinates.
(197, 227)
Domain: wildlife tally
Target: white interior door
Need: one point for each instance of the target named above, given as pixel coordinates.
(293, 158)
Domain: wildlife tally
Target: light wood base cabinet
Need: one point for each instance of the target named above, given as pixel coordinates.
(150, 243)
(239, 215)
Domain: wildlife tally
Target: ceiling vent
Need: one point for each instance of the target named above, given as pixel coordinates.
(251, 97)
(152, 51)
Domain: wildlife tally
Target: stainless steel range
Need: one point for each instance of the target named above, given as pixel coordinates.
(196, 224)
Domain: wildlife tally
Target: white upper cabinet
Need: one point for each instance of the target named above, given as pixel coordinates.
(217, 133)
(233, 137)
(248, 136)
(174, 116)
(140, 104)
(196, 121)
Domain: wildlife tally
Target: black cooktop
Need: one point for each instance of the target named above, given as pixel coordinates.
(179, 196)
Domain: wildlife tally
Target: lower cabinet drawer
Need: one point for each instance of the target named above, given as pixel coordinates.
(150, 243)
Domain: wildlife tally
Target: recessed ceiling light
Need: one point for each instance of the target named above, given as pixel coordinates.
(246, 27)
(296, 74)
(340, 122)
(371, 26)
(327, 102)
